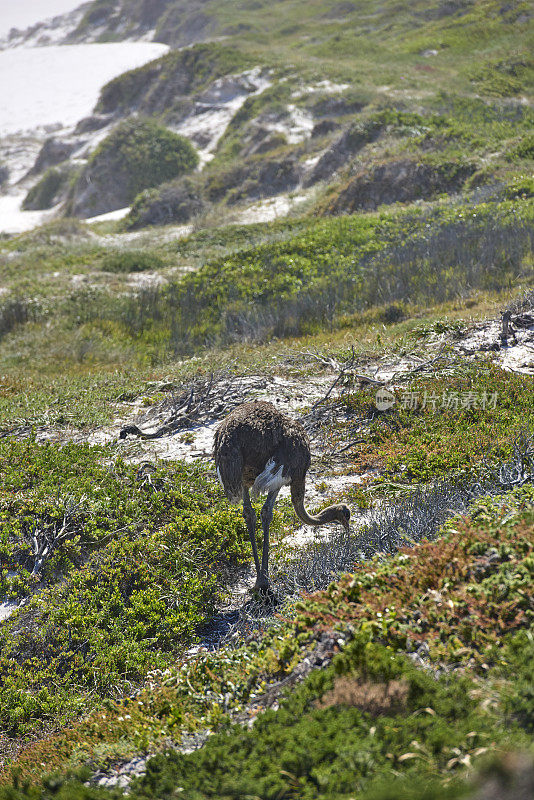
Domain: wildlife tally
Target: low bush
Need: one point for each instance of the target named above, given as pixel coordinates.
(131, 261)
(520, 188)
(524, 149)
(49, 190)
(176, 201)
(132, 568)
(138, 154)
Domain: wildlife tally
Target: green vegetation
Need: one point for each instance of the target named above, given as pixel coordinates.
(340, 730)
(507, 76)
(442, 425)
(137, 154)
(145, 152)
(49, 190)
(418, 117)
(333, 269)
(131, 261)
(285, 279)
(132, 568)
(372, 715)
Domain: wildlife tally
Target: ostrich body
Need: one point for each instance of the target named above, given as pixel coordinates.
(258, 450)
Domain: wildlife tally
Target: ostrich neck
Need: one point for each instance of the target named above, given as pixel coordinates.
(297, 497)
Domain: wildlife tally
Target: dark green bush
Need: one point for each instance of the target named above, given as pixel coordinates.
(146, 153)
(46, 192)
(314, 751)
(138, 154)
(131, 261)
(175, 201)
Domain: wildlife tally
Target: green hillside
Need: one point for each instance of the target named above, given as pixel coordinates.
(325, 199)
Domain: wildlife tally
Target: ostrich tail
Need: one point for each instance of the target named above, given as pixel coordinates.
(229, 464)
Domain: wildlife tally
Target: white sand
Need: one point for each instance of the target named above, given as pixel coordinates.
(14, 220)
(7, 608)
(47, 85)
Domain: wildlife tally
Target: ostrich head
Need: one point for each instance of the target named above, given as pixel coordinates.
(336, 513)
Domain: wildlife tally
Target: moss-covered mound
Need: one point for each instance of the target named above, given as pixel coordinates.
(137, 155)
(399, 181)
(50, 190)
(175, 201)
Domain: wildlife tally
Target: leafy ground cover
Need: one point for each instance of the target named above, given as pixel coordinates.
(130, 568)
(461, 601)
(306, 278)
(444, 424)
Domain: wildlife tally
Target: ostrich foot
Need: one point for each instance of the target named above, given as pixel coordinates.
(262, 584)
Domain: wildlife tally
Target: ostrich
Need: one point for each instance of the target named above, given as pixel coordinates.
(259, 449)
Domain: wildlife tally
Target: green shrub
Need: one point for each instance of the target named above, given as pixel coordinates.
(138, 154)
(523, 150)
(147, 153)
(176, 201)
(127, 585)
(504, 77)
(521, 188)
(131, 261)
(323, 745)
(45, 193)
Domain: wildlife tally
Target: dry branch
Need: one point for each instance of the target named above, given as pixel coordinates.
(45, 539)
(205, 400)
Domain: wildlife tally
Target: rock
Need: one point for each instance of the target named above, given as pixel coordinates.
(53, 152)
(398, 181)
(4, 174)
(324, 127)
(93, 123)
(343, 149)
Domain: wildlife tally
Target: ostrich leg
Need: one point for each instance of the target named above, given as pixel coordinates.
(250, 519)
(266, 517)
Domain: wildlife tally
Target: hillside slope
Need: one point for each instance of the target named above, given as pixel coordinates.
(348, 233)
(354, 106)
